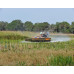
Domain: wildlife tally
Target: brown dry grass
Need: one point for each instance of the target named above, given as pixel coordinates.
(31, 57)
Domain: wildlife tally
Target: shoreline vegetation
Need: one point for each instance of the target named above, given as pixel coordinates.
(14, 53)
(18, 25)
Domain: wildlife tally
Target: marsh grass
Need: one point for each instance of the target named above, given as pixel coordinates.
(16, 35)
(13, 52)
(22, 63)
(37, 57)
(61, 61)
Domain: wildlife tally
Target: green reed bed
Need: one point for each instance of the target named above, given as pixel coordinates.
(17, 44)
(61, 60)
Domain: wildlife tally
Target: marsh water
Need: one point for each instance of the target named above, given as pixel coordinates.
(56, 38)
(59, 38)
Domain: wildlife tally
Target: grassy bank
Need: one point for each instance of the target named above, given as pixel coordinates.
(16, 35)
(15, 53)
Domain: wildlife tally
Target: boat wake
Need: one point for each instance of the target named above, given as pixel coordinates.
(55, 38)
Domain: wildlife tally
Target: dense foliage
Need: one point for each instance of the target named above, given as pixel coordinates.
(18, 25)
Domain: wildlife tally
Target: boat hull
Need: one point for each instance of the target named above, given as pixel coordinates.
(38, 39)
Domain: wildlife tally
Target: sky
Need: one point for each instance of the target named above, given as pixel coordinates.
(50, 15)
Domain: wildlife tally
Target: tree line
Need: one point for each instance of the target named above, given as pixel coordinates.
(18, 25)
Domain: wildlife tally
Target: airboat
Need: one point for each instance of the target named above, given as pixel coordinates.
(44, 38)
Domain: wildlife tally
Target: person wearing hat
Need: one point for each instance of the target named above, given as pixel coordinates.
(41, 34)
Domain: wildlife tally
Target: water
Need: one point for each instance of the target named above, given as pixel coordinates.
(59, 38)
(55, 38)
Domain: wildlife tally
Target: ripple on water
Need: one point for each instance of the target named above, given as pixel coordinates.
(59, 38)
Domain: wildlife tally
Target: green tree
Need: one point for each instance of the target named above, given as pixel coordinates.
(64, 27)
(41, 26)
(15, 25)
(28, 26)
(57, 27)
(72, 27)
(52, 27)
(3, 25)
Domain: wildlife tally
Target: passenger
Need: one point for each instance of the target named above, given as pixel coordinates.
(41, 34)
(44, 35)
